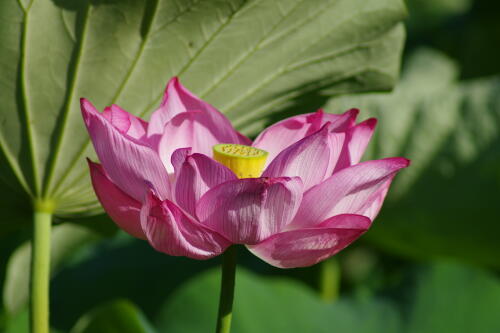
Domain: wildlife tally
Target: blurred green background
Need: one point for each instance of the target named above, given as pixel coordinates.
(429, 264)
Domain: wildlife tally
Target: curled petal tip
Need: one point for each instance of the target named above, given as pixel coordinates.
(173, 83)
(179, 156)
(94, 166)
(353, 112)
(397, 162)
(371, 123)
(87, 109)
(352, 115)
(150, 190)
(325, 127)
(86, 104)
(318, 115)
(90, 162)
(402, 160)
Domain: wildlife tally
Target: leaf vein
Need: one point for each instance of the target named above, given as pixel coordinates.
(283, 70)
(68, 102)
(247, 55)
(26, 105)
(198, 53)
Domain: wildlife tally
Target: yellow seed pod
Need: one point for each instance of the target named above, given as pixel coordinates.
(244, 161)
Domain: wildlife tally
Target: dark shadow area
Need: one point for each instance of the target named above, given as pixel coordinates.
(77, 5)
(132, 269)
(147, 20)
(8, 244)
(471, 37)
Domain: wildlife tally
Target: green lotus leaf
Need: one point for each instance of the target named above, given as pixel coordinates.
(446, 203)
(248, 58)
(433, 298)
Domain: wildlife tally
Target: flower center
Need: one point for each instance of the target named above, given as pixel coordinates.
(244, 161)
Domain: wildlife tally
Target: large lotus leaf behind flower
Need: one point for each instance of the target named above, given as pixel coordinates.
(246, 57)
(158, 180)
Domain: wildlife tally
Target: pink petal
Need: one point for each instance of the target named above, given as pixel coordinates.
(249, 210)
(374, 202)
(177, 100)
(170, 230)
(347, 191)
(178, 158)
(126, 123)
(195, 176)
(128, 163)
(122, 209)
(199, 130)
(311, 158)
(357, 139)
(281, 135)
(171, 105)
(341, 122)
(186, 130)
(306, 247)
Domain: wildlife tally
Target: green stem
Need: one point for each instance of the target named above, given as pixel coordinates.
(40, 272)
(226, 291)
(329, 280)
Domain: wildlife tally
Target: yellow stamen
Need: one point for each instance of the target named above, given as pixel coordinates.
(244, 161)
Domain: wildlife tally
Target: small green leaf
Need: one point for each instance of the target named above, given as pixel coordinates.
(119, 316)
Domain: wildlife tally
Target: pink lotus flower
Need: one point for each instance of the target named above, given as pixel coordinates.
(158, 180)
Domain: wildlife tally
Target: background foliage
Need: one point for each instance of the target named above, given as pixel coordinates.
(429, 264)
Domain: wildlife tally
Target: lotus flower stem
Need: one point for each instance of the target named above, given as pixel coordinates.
(40, 272)
(329, 283)
(226, 291)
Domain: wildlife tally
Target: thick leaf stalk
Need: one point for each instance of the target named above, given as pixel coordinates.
(227, 291)
(40, 270)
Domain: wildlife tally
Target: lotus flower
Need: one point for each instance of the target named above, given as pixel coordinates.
(191, 185)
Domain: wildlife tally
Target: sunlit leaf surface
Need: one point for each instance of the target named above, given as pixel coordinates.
(433, 300)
